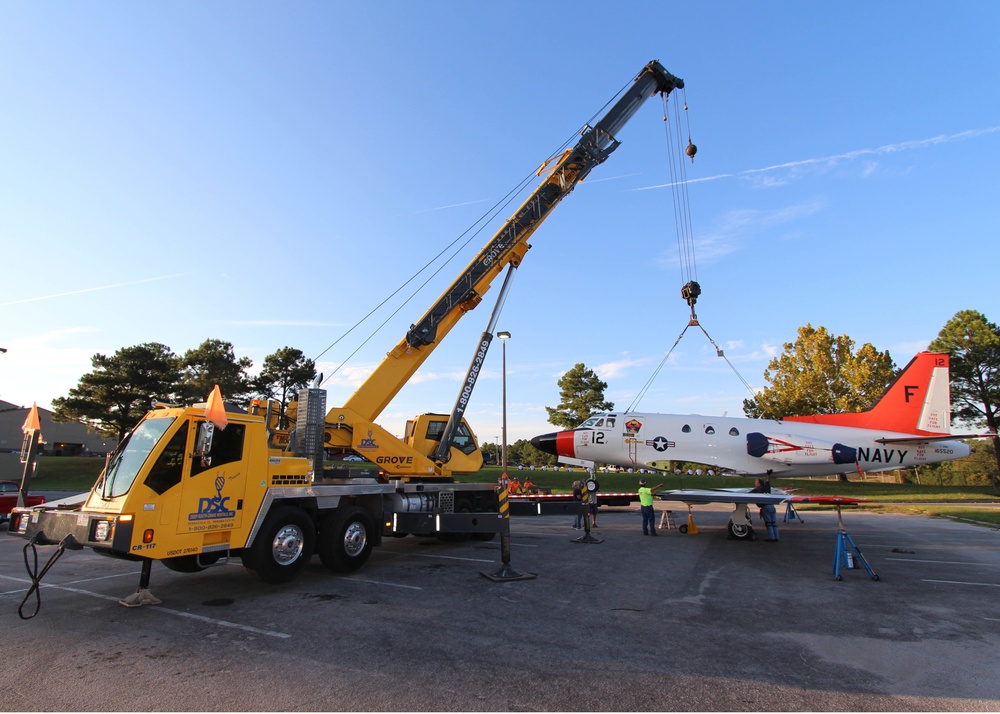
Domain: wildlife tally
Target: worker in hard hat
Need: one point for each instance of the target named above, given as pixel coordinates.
(646, 507)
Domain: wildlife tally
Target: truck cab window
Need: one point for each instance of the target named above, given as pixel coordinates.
(166, 472)
(227, 447)
(462, 440)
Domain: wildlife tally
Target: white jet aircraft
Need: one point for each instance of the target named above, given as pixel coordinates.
(908, 426)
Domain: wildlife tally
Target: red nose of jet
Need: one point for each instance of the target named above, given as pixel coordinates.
(558, 443)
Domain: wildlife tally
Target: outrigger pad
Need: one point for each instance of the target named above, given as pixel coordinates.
(140, 597)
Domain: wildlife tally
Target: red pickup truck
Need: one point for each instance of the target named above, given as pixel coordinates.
(8, 498)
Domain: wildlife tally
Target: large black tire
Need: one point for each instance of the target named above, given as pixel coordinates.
(283, 546)
(740, 531)
(191, 563)
(345, 540)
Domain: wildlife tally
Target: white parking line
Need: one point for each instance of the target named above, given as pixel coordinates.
(452, 557)
(157, 608)
(382, 582)
(943, 562)
(959, 582)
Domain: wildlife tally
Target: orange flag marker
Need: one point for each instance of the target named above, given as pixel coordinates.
(32, 423)
(215, 412)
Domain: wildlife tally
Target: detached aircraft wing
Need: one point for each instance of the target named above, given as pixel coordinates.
(739, 522)
(723, 495)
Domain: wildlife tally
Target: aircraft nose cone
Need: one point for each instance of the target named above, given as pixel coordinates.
(546, 443)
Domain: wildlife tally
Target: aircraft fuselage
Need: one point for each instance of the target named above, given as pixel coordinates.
(748, 446)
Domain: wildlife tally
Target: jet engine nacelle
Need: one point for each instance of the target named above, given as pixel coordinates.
(793, 449)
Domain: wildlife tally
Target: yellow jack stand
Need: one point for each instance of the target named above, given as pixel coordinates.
(690, 528)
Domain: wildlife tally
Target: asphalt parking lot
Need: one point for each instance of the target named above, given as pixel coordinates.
(674, 623)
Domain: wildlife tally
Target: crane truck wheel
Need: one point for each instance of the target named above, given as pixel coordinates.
(283, 546)
(345, 540)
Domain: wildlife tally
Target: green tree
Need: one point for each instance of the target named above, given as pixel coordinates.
(821, 374)
(973, 344)
(581, 395)
(522, 452)
(214, 362)
(977, 469)
(113, 397)
(283, 373)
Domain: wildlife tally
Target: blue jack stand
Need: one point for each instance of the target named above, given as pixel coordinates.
(843, 555)
(791, 513)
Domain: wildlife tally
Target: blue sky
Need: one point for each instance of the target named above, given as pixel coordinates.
(266, 173)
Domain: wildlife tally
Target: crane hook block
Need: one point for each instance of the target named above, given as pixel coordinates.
(691, 150)
(690, 292)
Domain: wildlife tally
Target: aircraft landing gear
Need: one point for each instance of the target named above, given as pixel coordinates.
(740, 531)
(739, 524)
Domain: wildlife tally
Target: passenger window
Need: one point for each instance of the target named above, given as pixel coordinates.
(709, 429)
(227, 447)
(686, 429)
(166, 472)
(734, 431)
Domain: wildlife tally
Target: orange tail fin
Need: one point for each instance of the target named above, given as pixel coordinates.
(918, 402)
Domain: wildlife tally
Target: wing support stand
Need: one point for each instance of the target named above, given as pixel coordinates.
(791, 514)
(690, 528)
(843, 555)
(506, 573)
(589, 492)
(586, 538)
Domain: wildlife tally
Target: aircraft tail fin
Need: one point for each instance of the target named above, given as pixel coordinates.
(918, 402)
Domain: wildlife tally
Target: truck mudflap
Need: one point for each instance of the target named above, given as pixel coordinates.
(107, 533)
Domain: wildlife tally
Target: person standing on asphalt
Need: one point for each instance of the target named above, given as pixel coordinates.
(578, 496)
(767, 511)
(646, 507)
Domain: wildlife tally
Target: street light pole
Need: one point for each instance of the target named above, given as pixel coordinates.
(504, 336)
(506, 572)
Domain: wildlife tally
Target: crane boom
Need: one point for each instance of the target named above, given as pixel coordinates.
(507, 246)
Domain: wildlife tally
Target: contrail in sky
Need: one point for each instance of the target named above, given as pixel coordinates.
(91, 290)
(886, 149)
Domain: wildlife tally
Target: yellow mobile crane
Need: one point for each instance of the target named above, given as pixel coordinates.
(180, 491)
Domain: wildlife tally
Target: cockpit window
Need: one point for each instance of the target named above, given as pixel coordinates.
(610, 423)
(590, 422)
